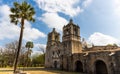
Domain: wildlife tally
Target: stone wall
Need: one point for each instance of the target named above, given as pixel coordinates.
(89, 61)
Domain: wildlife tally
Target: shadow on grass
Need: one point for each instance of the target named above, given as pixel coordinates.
(40, 69)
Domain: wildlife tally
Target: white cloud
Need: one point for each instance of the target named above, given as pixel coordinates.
(40, 46)
(7, 30)
(52, 9)
(86, 3)
(116, 7)
(37, 48)
(5, 11)
(68, 7)
(10, 31)
(32, 34)
(102, 39)
(53, 20)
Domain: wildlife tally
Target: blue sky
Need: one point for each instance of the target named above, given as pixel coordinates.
(99, 20)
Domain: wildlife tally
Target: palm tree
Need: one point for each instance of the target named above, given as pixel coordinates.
(20, 13)
(29, 45)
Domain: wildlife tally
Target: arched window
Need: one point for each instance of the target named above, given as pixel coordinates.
(49, 38)
(56, 37)
(75, 31)
(53, 52)
(67, 32)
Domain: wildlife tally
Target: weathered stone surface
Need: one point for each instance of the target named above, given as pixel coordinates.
(71, 56)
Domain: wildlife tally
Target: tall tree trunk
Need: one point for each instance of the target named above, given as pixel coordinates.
(19, 45)
(27, 57)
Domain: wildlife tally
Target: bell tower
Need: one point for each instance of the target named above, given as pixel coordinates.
(71, 38)
(53, 37)
(53, 43)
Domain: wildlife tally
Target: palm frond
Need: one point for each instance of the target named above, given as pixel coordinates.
(29, 44)
(12, 10)
(16, 4)
(23, 10)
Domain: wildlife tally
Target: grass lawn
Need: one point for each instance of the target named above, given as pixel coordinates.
(39, 70)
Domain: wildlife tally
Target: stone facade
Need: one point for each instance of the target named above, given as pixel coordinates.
(72, 55)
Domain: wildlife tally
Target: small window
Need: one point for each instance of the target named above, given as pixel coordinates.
(75, 31)
(53, 52)
(58, 51)
(67, 32)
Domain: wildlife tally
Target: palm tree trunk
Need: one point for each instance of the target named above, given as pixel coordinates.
(19, 45)
(27, 57)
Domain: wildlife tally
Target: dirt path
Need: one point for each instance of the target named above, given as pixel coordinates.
(38, 70)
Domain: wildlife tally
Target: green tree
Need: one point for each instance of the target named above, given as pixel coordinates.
(21, 12)
(43, 55)
(38, 60)
(29, 45)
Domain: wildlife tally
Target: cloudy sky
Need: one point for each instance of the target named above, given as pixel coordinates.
(99, 20)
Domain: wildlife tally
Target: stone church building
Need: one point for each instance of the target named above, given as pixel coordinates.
(72, 54)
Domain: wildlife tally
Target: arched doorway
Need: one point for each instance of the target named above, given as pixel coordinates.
(55, 64)
(79, 66)
(100, 67)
